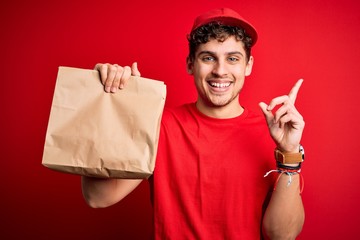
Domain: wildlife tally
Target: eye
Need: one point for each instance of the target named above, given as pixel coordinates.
(233, 59)
(208, 59)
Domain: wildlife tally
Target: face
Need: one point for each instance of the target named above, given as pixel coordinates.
(219, 71)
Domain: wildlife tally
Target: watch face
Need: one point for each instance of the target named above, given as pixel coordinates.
(302, 150)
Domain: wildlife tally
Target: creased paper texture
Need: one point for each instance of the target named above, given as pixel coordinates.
(94, 133)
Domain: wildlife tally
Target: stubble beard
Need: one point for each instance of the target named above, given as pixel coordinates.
(218, 101)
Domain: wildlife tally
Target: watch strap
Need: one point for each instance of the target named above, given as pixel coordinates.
(288, 158)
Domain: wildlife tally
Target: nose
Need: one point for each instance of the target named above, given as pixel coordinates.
(220, 69)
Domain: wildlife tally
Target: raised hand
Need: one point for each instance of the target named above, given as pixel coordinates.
(286, 125)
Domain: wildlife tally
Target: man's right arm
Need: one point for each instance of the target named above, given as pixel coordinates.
(104, 192)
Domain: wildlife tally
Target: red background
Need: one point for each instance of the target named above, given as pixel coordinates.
(312, 39)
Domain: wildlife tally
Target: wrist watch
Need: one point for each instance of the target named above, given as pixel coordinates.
(290, 158)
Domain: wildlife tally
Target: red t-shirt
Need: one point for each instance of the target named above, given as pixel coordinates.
(209, 180)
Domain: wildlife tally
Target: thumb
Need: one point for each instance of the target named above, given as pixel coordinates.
(135, 70)
(268, 114)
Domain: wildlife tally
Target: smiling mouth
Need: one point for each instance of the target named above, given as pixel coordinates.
(219, 85)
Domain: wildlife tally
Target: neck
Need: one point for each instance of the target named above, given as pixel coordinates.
(230, 110)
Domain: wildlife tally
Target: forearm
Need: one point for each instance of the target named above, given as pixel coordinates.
(284, 216)
(101, 192)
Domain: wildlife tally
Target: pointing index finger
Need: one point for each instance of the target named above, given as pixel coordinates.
(294, 91)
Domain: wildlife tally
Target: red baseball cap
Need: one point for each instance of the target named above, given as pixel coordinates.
(226, 16)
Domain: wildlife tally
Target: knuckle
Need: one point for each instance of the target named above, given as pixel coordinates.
(102, 67)
(127, 72)
(108, 84)
(116, 80)
(285, 99)
(120, 70)
(112, 68)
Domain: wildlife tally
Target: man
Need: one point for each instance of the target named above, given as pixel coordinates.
(208, 181)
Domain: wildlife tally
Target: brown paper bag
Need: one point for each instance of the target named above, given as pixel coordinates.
(94, 133)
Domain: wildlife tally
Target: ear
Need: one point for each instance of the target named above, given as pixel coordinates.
(249, 66)
(189, 66)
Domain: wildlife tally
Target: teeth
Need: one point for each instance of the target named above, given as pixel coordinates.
(219, 85)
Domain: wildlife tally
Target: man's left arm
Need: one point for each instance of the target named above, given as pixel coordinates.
(284, 216)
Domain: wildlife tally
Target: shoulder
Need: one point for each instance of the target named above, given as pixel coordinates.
(254, 116)
(255, 119)
(178, 112)
(255, 125)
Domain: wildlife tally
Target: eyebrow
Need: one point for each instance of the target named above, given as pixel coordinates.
(214, 53)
